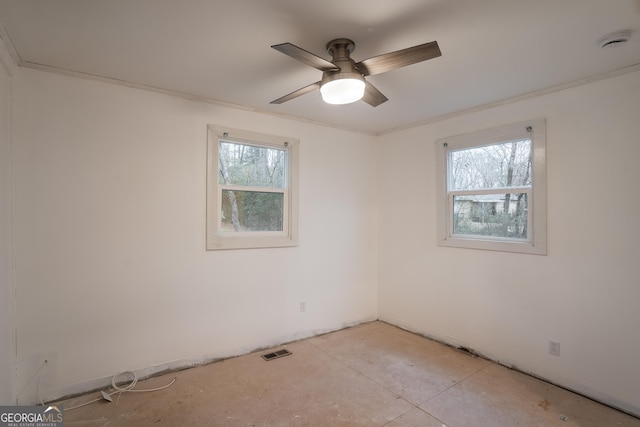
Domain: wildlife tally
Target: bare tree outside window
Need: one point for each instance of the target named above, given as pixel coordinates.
(484, 181)
(254, 183)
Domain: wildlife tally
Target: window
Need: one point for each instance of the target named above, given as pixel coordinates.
(492, 189)
(251, 190)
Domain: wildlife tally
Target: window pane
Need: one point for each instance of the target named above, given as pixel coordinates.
(251, 211)
(491, 215)
(501, 165)
(249, 165)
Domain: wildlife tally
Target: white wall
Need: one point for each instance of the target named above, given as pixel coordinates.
(112, 271)
(7, 294)
(112, 275)
(584, 294)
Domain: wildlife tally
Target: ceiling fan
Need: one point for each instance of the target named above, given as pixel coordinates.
(343, 79)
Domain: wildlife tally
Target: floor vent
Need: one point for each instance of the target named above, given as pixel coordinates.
(276, 354)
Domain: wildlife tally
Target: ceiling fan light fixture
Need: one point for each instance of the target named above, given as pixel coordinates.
(343, 90)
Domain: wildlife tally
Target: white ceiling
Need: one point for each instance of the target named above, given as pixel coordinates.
(492, 50)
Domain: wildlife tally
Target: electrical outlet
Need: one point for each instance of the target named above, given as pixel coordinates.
(554, 348)
(303, 306)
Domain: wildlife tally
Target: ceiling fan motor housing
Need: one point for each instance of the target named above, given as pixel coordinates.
(340, 50)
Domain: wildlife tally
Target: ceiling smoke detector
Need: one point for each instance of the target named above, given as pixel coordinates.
(615, 39)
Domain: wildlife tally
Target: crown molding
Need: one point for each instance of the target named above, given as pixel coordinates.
(517, 98)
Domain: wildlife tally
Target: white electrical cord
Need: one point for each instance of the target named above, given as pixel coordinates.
(40, 371)
(119, 390)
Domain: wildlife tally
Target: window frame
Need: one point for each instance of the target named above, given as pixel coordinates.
(536, 243)
(216, 239)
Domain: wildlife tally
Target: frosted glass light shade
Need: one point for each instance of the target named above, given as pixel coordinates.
(342, 91)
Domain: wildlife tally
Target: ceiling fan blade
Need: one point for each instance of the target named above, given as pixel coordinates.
(373, 96)
(297, 93)
(305, 57)
(400, 58)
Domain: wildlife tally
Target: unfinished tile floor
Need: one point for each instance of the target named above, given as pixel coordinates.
(371, 375)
